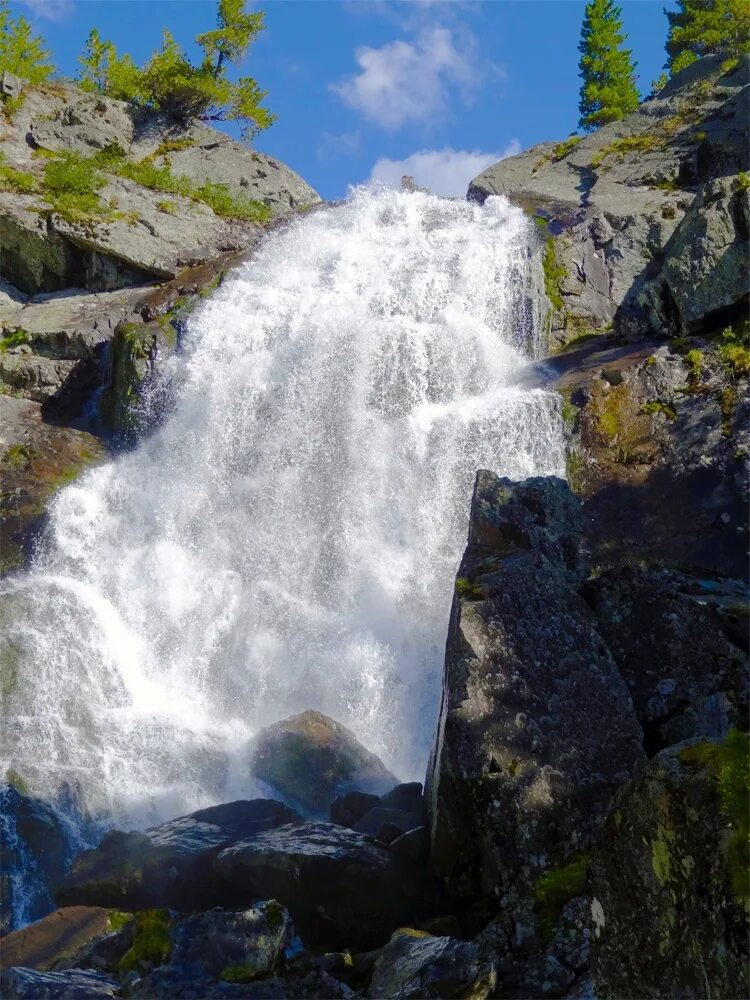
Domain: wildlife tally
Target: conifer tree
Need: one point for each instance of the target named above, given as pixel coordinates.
(608, 90)
(701, 27)
(21, 51)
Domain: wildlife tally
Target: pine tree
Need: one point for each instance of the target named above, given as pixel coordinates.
(702, 27)
(21, 51)
(170, 82)
(608, 90)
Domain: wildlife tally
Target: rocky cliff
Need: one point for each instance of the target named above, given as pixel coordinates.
(110, 218)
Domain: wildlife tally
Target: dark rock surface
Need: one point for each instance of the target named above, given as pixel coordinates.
(666, 919)
(685, 675)
(537, 727)
(72, 984)
(310, 759)
(169, 865)
(340, 886)
(416, 964)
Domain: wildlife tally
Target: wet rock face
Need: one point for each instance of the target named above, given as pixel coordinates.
(537, 727)
(648, 217)
(416, 964)
(55, 940)
(72, 984)
(666, 918)
(36, 844)
(310, 759)
(170, 865)
(340, 886)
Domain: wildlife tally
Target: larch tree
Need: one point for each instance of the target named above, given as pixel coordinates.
(21, 51)
(608, 89)
(703, 27)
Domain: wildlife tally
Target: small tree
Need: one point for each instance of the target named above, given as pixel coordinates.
(701, 27)
(608, 90)
(170, 82)
(21, 51)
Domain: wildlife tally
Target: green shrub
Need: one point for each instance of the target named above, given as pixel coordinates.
(562, 149)
(14, 339)
(71, 183)
(220, 199)
(694, 361)
(21, 51)
(18, 181)
(628, 144)
(170, 82)
(464, 588)
(734, 351)
(151, 941)
(743, 180)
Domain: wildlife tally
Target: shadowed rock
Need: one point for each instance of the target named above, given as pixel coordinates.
(310, 759)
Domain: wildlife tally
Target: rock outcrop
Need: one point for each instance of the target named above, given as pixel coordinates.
(537, 728)
(669, 879)
(310, 759)
(647, 216)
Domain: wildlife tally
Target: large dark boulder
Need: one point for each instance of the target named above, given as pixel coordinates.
(669, 878)
(169, 865)
(537, 728)
(341, 888)
(669, 639)
(310, 759)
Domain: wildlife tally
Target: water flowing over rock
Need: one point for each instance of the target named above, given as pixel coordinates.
(288, 534)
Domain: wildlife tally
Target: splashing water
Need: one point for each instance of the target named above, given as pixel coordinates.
(288, 537)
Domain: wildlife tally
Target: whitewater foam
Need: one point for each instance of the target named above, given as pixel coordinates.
(287, 537)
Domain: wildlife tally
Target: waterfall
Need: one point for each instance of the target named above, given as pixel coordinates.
(287, 537)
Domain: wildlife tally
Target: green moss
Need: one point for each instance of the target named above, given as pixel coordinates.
(743, 180)
(238, 974)
(274, 915)
(17, 456)
(628, 144)
(651, 360)
(656, 406)
(555, 888)
(14, 779)
(468, 590)
(117, 919)
(71, 184)
(173, 146)
(561, 150)
(151, 944)
(14, 339)
(554, 274)
(568, 411)
(660, 854)
(223, 202)
(574, 467)
(729, 762)
(727, 400)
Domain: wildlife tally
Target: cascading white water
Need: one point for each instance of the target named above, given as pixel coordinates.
(288, 537)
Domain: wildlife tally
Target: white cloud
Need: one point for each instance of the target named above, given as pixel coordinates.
(404, 81)
(444, 171)
(51, 10)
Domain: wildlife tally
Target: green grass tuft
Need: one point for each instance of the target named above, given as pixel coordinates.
(470, 591)
(152, 945)
(15, 339)
(554, 274)
(555, 888)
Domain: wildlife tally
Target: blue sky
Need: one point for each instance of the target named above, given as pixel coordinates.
(377, 88)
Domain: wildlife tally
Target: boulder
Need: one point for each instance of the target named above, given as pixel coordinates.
(350, 807)
(235, 947)
(669, 878)
(416, 964)
(55, 940)
(341, 888)
(537, 728)
(685, 675)
(310, 759)
(168, 865)
(72, 984)
(37, 848)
